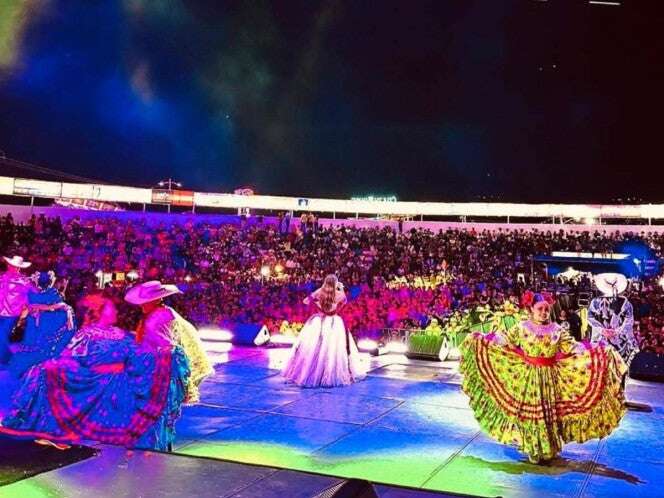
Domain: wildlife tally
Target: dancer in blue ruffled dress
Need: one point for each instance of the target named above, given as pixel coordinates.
(103, 387)
(49, 325)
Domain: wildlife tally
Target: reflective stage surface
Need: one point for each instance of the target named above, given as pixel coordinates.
(407, 424)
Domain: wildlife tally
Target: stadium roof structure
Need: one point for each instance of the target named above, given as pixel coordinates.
(30, 187)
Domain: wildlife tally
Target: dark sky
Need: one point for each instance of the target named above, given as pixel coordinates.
(443, 100)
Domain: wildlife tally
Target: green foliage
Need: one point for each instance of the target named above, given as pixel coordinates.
(425, 343)
(482, 319)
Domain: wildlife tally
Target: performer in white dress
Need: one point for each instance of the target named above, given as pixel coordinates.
(325, 354)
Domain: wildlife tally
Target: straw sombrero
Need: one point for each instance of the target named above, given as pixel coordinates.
(150, 291)
(17, 261)
(611, 284)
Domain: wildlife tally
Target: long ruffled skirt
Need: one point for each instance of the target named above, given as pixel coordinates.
(539, 408)
(199, 363)
(320, 357)
(6, 325)
(134, 403)
(45, 338)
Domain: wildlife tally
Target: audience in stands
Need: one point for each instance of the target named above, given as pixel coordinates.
(258, 272)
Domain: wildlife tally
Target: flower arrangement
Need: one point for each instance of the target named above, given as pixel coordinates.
(427, 341)
(483, 319)
(507, 316)
(419, 282)
(290, 328)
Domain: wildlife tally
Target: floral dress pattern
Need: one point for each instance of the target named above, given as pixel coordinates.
(102, 388)
(536, 388)
(49, 328)
(617, 315)
(166, 326)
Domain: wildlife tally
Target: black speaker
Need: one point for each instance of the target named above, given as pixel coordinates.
(250, 334)
(353, 488)
(647, 366)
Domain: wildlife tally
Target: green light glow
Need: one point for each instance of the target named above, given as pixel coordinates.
(12, 14)
(399, 466)
(14, 18)
(35, 487)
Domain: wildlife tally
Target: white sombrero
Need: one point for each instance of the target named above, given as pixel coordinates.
(150, 291)
(17, 261)
(611, 284)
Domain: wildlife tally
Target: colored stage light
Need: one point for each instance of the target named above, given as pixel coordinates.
(367, 345)
(217, 347)
(265, 271)
(396, 347)
(282, 340)
(215, 334)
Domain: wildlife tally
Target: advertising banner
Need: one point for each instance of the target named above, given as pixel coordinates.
(37, 188)
(173, 197)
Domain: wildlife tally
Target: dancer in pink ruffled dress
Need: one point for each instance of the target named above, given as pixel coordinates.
(325, 354)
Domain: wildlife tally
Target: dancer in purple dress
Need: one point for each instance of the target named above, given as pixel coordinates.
(325, 354)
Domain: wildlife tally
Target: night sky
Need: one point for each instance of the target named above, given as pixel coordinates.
(444, 100)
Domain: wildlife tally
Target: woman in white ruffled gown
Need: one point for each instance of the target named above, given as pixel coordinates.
(325, 354)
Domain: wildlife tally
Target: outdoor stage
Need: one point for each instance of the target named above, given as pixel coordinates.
(407, 424)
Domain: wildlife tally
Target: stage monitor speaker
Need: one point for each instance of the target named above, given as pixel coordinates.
(353, 488)
(250, 334)
(647, 366)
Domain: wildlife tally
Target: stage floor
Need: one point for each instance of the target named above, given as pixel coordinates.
(407, 424)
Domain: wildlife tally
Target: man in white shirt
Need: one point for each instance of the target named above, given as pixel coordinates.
(14, 289)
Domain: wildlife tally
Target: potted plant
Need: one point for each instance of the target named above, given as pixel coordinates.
(429, 343)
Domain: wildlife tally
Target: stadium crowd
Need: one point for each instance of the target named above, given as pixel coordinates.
(259, 273)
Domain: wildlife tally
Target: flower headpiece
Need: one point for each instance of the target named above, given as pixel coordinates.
(529, 298)
(93, 302)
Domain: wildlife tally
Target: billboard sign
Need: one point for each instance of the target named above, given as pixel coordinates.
(173, 197)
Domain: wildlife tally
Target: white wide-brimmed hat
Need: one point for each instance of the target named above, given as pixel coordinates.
(150, 291)
(611, 284)
(17, 261)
